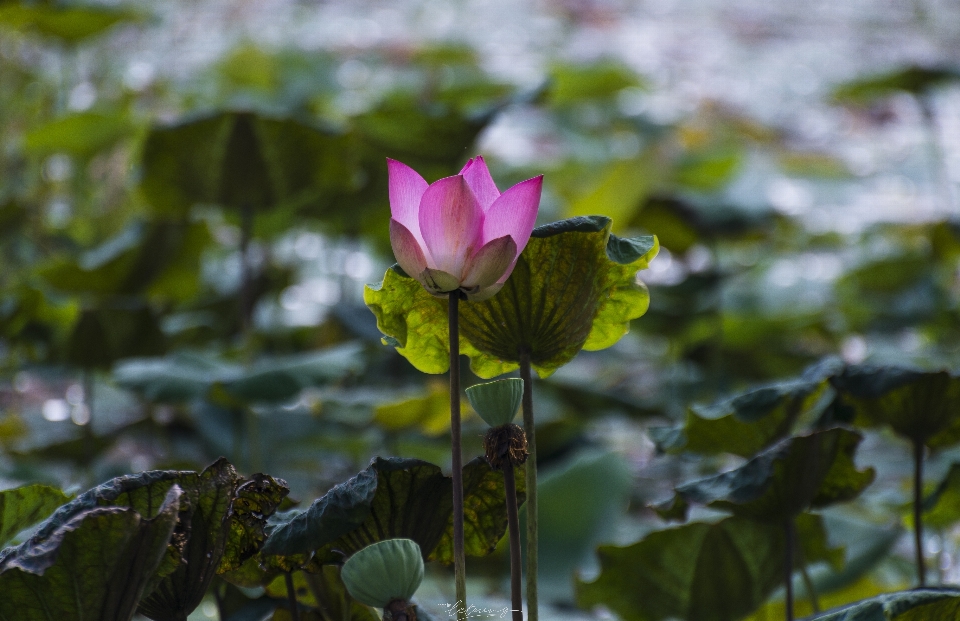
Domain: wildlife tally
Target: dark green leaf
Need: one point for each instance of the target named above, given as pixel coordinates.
(102, 336)
(254, 502)
(209, 496)
(484, 511)
(799, 473)
(398, 498)
(23, 507)
(922, 406)
(916, 605)
(81, 133)
(572, 84)
(280, 378)
(239, 160)
(914, 79)
(70, 23)
(569, 291)
(698, 572)
(942, 507)
(748, 422)
(86, 562)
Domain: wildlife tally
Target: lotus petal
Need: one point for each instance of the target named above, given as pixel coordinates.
(490, 263)
(406, 190)
(406, 249)
(450, 221)
(514, 213)
(481, 183)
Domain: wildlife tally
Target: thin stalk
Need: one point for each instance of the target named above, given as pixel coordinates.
(918, 510)
(292, 597)
(89, 438)
(246, 272)
(531, 481)
(790, 537)
(459, 558)
(513, 523)
(313, 583)
(808, 583)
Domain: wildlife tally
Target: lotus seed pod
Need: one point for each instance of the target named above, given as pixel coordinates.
(505, 446)
(496, 402)
(383, 572)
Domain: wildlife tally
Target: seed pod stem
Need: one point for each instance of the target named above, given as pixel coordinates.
(513, 523)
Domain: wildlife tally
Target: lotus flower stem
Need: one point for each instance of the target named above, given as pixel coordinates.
(459, 559)
(531, 481)
(918, 509)
(790, 536)
(513, 523)
(292, 597)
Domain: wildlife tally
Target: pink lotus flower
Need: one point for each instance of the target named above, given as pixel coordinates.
(460, 232)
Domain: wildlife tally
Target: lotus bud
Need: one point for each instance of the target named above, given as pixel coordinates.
(496, 402)
(385, 575)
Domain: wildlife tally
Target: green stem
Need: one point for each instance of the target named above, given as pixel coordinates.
(531, 484)
(459, 557)
(246, 272)
(292, 597)
(513, 523)
(89, 438)
(918, 510)
(808, 583)
(790, 537)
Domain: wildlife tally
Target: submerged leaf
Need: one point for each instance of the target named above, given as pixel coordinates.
(574, 287)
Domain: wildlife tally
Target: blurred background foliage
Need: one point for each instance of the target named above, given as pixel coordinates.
(192, 196)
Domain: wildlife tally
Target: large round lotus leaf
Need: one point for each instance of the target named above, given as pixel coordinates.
(384, 571)
(573, 287)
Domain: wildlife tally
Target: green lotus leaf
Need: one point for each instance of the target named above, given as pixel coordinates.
(748, 422)
(797, 474)
(921, 406)
(941, 509)
(496, 402)
(87, 562)
(209, 496)
(80, 133)
(574, 287)
(916, 605)
(398, 498)
(914, 79)
(700, 572)
(384, 571)
(255, 500)
(71, 24)
(23, 507)
(240, 160)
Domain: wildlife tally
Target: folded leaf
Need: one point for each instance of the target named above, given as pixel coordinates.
(87, 563)
(799, 473)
